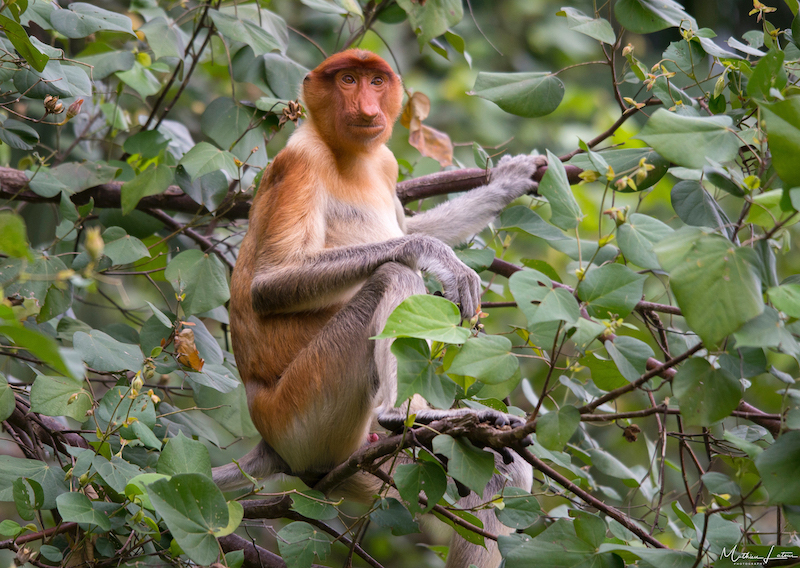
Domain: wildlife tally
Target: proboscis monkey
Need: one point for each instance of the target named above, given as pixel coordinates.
(328, 255)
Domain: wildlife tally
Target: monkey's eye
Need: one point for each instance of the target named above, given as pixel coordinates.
(348, 79)
(377, 81)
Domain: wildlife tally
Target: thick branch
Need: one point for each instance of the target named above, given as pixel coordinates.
(14, 186)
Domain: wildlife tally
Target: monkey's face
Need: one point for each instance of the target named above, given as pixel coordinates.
(366, 115)
(355, 108)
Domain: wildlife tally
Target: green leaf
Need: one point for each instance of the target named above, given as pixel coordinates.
(202, 277)
(7, 399)
(122, 248)
(714, 282)
(235, 516)
(744, 362)
(786, 298)
(51, 479)
(529, 288)
(10, 528)
(391, 513)
(18, 135)
(325, 6)
(431, 19)
(76, 507)
(767, 330)
(72, 177)
(106, 63)
(82, 19)
(706, 394)
(630, 355)
(152, 181)
(471, 466)
(768, 74)
(164, 38)
(605, 373)
(524, 94)
(300, 544)
(116, 408)
(557, 304)
(477, 259)
(647, 16)
(60, 396)
(597, 28)
(557, 546)
(14, 236)
(57, 79)
(228, 125)
(426, 317)
(147, 143)
(623, 161)
(688, 140)
(565, 211)
(43, 347)
(520, 508)
(611, 291)
(720, 484)
(314, 505)
(140, 79)
(661, 557)
(413, 478)
(204, 158)
(487, 358)
(554, 429)
(417, 374)
(696, 207)
(520, 218)
(769, 208)
(778, 466)
(19, 39)
(246, 31)
(102, 352)
(116, 472)
(637, 237)
(28, 497)
(184, 455)
(610, 465)
(194, 509)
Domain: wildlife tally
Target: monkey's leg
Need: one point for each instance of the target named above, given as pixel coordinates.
(321, 408)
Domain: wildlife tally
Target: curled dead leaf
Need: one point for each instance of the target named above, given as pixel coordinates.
(187, 351)
(430, 142)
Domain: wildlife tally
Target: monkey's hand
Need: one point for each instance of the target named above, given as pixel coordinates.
(461, 284)
(514, 175)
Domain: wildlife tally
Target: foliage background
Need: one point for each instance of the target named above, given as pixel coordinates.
(103, 293)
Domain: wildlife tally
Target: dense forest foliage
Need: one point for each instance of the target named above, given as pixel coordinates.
(640, 309)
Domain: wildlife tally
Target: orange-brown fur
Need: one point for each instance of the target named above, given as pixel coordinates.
(332, 161)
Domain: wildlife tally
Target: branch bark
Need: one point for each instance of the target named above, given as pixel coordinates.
(14, 186)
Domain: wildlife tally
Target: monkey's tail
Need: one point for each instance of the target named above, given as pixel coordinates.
(259, 462)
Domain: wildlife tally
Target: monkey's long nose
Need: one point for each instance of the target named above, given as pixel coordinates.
(369, 110)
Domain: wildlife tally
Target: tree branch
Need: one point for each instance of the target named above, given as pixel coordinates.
(14, 186)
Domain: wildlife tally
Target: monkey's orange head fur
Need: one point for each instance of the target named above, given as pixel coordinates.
(353, 99)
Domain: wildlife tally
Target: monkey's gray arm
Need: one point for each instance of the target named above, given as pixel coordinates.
(321, 280)
(457, 220)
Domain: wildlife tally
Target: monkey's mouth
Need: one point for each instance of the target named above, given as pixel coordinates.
(368, 126)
